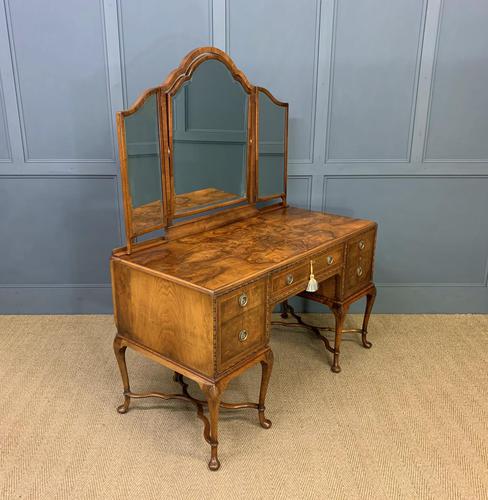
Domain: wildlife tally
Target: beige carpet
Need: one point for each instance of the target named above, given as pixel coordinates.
(406, 419)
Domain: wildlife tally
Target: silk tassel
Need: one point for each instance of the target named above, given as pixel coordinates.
(312, 286)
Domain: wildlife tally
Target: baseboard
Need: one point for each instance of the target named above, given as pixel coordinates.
(390, 300)
(56, 300)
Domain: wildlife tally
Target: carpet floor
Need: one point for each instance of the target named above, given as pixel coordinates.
(406, 419)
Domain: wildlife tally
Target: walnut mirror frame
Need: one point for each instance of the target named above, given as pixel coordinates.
(151, 157)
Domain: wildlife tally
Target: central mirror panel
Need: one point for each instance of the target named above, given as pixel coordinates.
(210, 140)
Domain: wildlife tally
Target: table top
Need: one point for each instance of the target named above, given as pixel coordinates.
(221, 258)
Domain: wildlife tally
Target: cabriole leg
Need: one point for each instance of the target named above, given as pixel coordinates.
(213, 394)
(267, 367)
(119, 350)
(340, 313)
(370, 298)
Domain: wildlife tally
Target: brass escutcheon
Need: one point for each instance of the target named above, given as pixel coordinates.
(361, 245)
(359, 271)
(243, 335)
(289, 279)
(330, 260)
(243, 300)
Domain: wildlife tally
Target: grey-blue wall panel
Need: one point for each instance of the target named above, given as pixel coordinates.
(4, 139)
(59, 59)
(405, 299)
(300, 191)
(459, 102)
(155, 36)
(387, 121)
(426, 235)
(373, 79)
(52, 299)
(57, 230)
(276, 45)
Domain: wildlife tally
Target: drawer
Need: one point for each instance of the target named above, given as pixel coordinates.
(295, 278)
(234, 303)
(241, 335)
(325, 261)
(359, 261)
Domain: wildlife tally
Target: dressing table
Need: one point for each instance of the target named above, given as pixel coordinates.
(212, 246)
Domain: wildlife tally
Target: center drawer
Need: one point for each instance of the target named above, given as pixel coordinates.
(295, 278)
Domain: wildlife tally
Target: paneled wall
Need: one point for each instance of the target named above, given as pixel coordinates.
(388, 120)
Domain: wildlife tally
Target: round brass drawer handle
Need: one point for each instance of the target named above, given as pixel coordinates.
(243, 300)
(243, 335)
(361, 245)
(359, 271)
(330, 260)
(289, 279)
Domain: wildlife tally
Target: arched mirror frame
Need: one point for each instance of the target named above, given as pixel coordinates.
(175, 80)
(198, 58)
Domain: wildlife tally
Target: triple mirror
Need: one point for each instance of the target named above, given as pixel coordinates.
(204, 141)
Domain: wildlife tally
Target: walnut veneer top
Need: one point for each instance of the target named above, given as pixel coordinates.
(220, 258)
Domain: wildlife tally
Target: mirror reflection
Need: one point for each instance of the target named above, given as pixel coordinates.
(271, 166)
(144, 166)
(209, 139)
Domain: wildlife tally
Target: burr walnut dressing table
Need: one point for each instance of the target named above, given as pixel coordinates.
(212, 245)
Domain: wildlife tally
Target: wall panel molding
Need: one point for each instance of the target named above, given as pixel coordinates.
(331, 70)
(4, 124)
(430, 239)
(394, 169)
(323, 205)
(27, 158)
(432, 83)
(122, 44)
(10, 101)
(72, 222)
(219, 23)
(432, 79)
(314, 80)
(293, 195)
